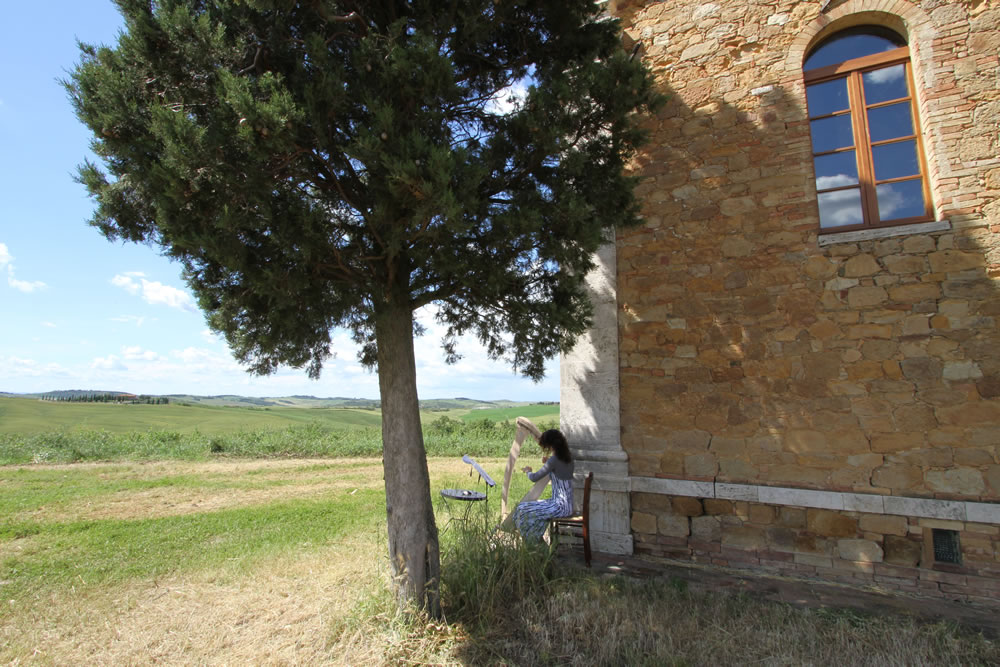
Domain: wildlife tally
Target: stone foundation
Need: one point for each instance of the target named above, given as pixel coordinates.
(890, 552)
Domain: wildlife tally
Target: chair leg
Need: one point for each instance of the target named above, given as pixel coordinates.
(586, 542)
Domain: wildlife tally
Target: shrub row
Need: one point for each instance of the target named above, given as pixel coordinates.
(442, 437)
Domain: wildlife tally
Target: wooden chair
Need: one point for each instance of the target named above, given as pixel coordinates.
(582, 520)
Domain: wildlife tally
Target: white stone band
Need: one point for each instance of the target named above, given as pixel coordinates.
(928, 508)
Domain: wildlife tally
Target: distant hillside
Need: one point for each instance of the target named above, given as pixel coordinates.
(298, 401)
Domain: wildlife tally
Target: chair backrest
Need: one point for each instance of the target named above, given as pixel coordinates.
(586, 496)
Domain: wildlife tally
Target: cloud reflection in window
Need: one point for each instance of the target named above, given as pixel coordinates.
(840, 208)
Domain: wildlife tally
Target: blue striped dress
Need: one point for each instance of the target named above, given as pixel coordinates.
(531, 518)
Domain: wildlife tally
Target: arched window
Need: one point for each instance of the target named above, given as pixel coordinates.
(866, 142)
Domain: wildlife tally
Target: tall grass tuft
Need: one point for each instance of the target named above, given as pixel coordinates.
(484, 571)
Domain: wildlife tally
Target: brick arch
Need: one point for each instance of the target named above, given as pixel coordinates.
(907, 19)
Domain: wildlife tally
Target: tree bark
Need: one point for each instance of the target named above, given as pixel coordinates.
(413, 538)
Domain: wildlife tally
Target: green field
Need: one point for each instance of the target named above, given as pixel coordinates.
(536, 413)
(35, 431)
(29, 416)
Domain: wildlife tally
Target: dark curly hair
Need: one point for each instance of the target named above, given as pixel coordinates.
(555, 441)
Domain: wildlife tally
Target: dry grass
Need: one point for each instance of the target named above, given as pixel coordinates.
(322, 606)
(328, 604)
(280, 614)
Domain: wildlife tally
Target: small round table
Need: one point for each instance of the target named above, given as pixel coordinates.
(464, 495)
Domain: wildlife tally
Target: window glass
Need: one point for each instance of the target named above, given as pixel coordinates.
(840, 208)
(829, 134)
(895, 160)
(836, 170)
(827, 97)
(900, 200)
(888, 83)
(853, 43)
(890, 122)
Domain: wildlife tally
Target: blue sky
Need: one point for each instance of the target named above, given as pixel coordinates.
(80, 312)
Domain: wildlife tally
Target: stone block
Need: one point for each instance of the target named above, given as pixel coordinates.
(861, 266)
(761, 514)
(744, 537)
(727, 491)
(883, 524)
(706, 528)
(673, 526)
(901, 477)
(951, 261)
(792, 517)
(863, 551)
(957, 481)
(673, 487)
(643, 523)
(826, 523)
(983, 513)
(914, 292)
(715, 506)
(863, 502)
(866, 296)
(800, 497)
(700, 465)
(652, 503)
(925, 507)
(687, 506)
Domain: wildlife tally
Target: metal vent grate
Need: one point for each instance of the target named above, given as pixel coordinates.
(946, 547)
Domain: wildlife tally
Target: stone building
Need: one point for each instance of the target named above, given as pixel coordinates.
(795, 363)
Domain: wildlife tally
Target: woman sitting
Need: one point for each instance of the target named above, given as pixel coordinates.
(531, 518)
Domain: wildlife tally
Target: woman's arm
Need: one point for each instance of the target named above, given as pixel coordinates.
(542, 472)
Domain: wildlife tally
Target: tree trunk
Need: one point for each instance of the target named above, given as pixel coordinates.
(413, 538)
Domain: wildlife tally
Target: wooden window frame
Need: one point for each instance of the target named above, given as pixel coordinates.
(852, 71)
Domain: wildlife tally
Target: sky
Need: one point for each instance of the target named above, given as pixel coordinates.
(80, 312)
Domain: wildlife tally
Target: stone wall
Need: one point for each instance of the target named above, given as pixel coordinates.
(754, 350)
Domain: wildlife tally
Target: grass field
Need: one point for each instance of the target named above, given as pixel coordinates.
(537, 413)
(283, 562)
(26, 416)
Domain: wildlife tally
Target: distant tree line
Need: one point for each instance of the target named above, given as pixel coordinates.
(130, 399)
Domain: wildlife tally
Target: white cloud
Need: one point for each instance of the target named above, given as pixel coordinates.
(836, 181)
(153, 292)
(210, 336)
(126, 283)
(49, 325)
(26, 286)
(136, 353)
(108, 363)
(20, 367)
(885, 75)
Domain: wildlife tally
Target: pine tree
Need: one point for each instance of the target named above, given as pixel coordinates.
(343, 163)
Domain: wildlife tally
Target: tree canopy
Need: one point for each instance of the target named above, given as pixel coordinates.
(316, 164)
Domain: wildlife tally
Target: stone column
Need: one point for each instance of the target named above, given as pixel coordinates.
(589, 414)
